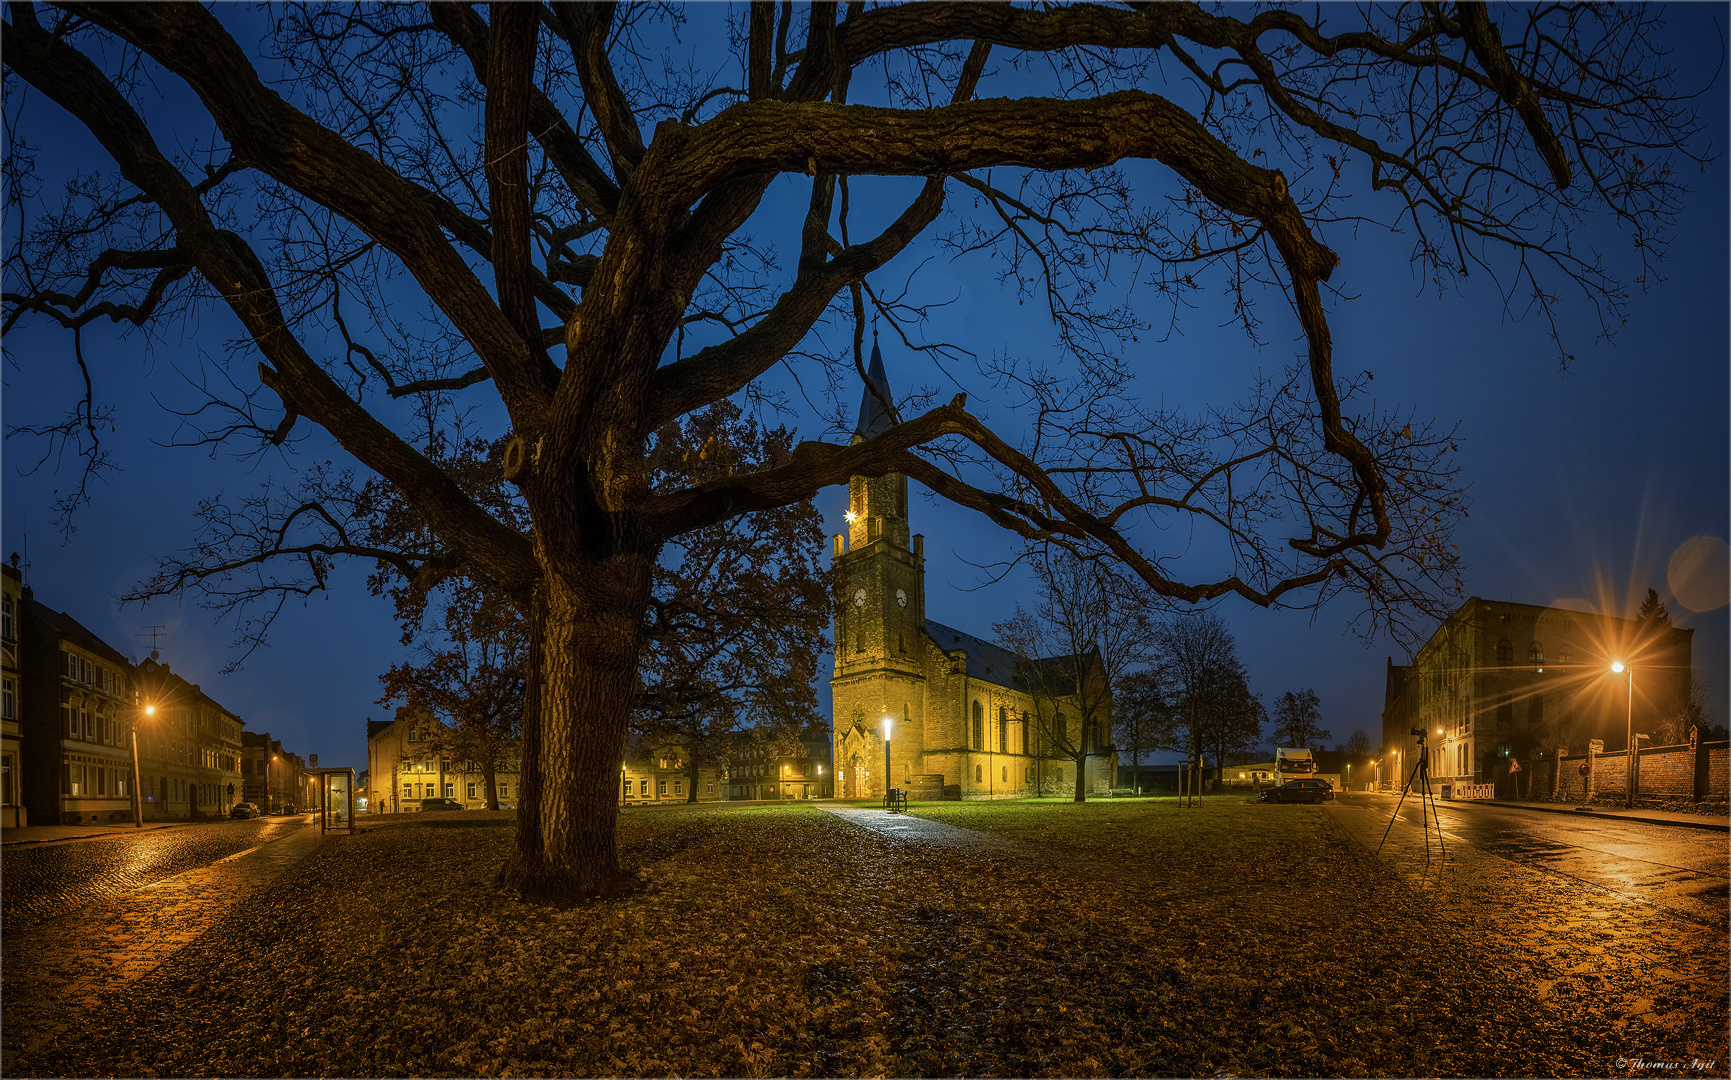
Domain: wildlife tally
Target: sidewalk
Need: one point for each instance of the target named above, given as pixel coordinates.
(42, 834)
(1648, 817)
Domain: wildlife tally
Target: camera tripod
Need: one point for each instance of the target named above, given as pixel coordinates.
(1420, 774)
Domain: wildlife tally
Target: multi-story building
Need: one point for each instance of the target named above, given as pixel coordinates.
(274, 779)
(962, 714)
(189, 748)
(660, 771)
(770, 768)
(408, 759)
(1501, 681)
(12, 811)
(77, 708)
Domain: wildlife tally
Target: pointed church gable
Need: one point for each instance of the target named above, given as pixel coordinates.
(986, 661)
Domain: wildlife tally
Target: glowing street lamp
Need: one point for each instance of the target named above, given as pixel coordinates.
(1628, 735)
(137, 792)
(887, 725)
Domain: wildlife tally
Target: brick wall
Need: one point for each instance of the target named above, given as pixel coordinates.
(1666, 770)
(1719, 771)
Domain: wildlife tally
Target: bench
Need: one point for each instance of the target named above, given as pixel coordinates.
(896, 801)
(1121, 793)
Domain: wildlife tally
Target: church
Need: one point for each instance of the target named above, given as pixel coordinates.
(955, 709)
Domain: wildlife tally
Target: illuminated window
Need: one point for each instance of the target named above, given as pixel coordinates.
(1535, 653)
(1566, 655)
(979, 742)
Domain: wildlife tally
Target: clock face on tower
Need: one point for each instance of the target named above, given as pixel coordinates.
(901, 598)
(859, 598)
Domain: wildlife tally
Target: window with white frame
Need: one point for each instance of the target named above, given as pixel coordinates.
(471, 791)
(9, 699)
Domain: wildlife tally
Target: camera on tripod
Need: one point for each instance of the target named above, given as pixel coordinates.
(1419, 732)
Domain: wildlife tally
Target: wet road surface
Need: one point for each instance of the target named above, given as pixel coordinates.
(1683, 870)
(40, 881)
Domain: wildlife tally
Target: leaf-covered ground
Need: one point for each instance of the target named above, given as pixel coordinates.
(1117, 938)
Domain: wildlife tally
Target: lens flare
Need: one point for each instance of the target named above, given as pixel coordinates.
(1698, 575)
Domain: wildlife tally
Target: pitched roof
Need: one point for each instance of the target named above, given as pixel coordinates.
(987, 661)
(874, 418)
(70, 629)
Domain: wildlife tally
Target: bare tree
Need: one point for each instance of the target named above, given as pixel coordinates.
(1088, 628)
(519, 213)
(1200, 658)
(1143, 717)
(1298, 721)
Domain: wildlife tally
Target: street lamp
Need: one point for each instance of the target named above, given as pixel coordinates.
(887, 724)
(137, 792)
(1628, 736)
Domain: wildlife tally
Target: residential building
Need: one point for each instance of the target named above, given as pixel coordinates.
(12, 811)
(189, 748)
(408, 759)
(962, 716)
(770, 768)
(274, 779)
(76, 710)
(1501, 681)
(659, 771)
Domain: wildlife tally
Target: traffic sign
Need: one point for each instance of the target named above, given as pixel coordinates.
(1514, 766)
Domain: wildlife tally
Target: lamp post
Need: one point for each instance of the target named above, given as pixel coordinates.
(887, 724)
(137, 792)
(1628, 736)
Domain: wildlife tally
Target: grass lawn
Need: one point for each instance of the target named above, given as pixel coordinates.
(1127, 937)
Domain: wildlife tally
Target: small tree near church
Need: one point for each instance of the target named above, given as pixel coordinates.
(1088, 628)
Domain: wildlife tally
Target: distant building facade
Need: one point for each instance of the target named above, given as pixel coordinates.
(660, 771)
(1501, 681)
(407, 761)
(759, 768)
(962, 716)
(189, 748)
(75, 723)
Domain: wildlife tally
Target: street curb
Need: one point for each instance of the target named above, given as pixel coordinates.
(1704, 823)
(95, 836)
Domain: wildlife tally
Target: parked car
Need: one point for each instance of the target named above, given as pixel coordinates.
(244, 810)
(441, 804)
(1303, 790)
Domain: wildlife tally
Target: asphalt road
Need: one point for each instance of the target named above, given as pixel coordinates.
(1682, 870)
(41, 881)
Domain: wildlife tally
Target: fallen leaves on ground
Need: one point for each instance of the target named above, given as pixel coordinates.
(1117, 939)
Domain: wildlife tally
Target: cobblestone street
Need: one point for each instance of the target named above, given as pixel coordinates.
(83, 918)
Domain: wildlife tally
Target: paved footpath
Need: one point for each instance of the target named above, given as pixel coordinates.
(906, 827)
(1637, 965)
(58, 968)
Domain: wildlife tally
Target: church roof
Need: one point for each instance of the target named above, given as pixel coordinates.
(874, 418)
(990, 662)
(986, 661)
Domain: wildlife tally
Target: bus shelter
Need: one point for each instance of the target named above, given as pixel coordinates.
(336, 800)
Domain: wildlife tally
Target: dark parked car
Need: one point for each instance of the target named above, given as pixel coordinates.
(1310, 791)
(441, 804)
(243, 810)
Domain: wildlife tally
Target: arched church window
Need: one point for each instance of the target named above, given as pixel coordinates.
(1003, 730)
(1535, 653)
(1505, 651)
(1566, 655)
(1006, 774)
(1060, 729)
(979, 742)
(979, 774)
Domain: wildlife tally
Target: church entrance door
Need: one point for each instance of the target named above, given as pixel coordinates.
(856, 788)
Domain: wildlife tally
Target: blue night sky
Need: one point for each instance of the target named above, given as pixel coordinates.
(1583, 482)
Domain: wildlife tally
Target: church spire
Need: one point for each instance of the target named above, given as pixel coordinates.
(874, 417)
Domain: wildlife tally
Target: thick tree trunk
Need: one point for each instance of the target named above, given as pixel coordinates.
(1081, 777)
(584, 656)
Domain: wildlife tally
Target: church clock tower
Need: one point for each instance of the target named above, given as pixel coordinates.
(879, 619)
